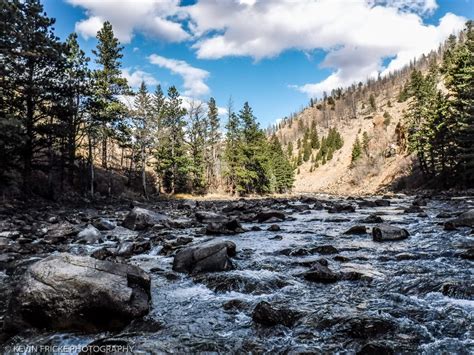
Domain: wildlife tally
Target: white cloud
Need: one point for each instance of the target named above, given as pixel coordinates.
(193, 78)
(356, 34)
(136, 77)
(156, 18)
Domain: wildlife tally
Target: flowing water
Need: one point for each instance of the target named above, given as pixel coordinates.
(398, 302)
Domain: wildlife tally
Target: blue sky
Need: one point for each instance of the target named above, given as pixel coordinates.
(276, 54)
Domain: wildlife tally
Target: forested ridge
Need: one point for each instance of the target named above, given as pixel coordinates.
(65, 126)
(418, 119)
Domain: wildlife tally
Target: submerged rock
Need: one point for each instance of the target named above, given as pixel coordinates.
(321, 273)
(104, 224)
(339, 208)
(373, 218)
(206, 217)
(387, 233)
(462, 290)
(264, 216)
(67, 292)
(274, 228)
(375, 349)
(231, 226)
(356, 230)
(366, 327)
(465, 219)
(205, 257)
(140, 218)
(266, 314)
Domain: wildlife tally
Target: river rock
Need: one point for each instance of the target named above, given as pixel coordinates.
(61, 232)
(231, 226)
(356, 230)
(372, 218)
(340, 208)
(375, 349)
(382, 203)
(266, 314)
(274, 228)
(461, 290)
(413, 209)
(206, 217)
(205, 257)
(321, 273)
(89, 235)
(387, 233)
(140, 218)
(264, 216)
(465, 219)
(76, 293)
(467, 254)
(103, 224)
(366, 327)
(324, 249)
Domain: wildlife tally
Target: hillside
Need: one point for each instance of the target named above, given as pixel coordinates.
(375, 108)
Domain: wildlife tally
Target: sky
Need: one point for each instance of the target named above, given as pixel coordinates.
(275, 54)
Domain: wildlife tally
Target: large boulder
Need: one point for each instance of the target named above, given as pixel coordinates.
(76, 293)
(206, 257)
(387, 233)
(141, 218)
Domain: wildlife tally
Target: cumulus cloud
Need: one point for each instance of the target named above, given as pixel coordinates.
(194, 78)
(159, 19)
(135, 78)
(357, 35)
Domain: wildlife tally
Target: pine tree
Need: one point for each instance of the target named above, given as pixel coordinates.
(198, 136)
(144, 127)
(372, 103)
(283, 174)
(32, 65)
(314, 136)
(232, 154)
(356, 150)
(460, 82)
(214, 137)
(256, 172)
(76, 89)
(365, 142)
(107, 111)
(174, 160)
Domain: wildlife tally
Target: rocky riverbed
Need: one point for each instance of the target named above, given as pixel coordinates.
(310, 274)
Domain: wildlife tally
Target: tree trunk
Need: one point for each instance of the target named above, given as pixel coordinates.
(144, 172)
(104, 152)
(91, 167)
